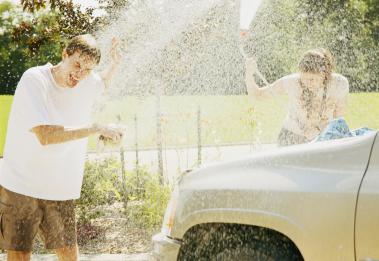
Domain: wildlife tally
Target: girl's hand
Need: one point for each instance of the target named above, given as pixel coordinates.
(251, 65)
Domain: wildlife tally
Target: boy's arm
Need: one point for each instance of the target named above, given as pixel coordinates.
(108, 73)
(54, 134)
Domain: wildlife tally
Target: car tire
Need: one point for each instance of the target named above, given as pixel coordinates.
(244, 253)
(224, 243)
(255, 251)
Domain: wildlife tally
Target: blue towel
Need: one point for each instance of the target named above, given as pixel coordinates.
(338, 129)
(362, 131)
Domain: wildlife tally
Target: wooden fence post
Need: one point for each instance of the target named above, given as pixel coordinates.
(137, 153)
(199, 136)
(123, 177)
(159, 133)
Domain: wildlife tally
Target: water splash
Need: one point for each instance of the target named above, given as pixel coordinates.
(151, 32)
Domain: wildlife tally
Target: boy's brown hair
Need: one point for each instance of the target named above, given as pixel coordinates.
(85, 44)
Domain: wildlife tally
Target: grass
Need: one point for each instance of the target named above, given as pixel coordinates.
(224, 119)
(5, 105)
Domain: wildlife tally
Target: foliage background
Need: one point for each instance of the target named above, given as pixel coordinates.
(348, 28)
(281, 32)
(31, 39)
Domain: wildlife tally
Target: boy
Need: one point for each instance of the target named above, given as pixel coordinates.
(45, 149)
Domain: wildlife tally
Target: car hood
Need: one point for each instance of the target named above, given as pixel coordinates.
(303, 191)
(294, 167)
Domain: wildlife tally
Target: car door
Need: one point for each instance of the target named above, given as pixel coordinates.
(367, 215)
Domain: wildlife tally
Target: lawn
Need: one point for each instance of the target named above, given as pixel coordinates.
(224, 119)
(5, 105)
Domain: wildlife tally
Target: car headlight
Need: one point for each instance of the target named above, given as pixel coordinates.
(169, 217)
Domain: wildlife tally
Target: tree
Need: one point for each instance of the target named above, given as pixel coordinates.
(71, 19)
(351, 29)
(37, 36)
(73, 16)
(341, 26)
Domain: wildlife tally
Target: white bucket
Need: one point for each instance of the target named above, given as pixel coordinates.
(248, 10)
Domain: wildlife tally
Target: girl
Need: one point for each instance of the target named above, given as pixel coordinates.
(316, 95)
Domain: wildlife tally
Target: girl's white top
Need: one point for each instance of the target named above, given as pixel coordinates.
(296, 119)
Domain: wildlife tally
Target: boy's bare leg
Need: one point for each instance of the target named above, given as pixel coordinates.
(18, 255)
(67, 253)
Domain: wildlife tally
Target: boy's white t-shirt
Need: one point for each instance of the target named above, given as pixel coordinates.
(52, 172)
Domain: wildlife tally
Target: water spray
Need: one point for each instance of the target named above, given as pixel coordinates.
(248, 10)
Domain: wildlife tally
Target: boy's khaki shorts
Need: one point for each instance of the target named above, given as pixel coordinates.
(22, 217)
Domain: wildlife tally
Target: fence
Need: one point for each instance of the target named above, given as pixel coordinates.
(181, 140)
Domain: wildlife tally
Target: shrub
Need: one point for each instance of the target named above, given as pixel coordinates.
(101, 185)
(136, 182)
(153, 198)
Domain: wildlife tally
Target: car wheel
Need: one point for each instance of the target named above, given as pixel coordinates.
(222, 242)
(255, 251)
(241, 254)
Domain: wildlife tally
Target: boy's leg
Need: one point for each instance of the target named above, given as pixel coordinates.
(67, 253)
(20, 218)
(18, 255)
(58, 228)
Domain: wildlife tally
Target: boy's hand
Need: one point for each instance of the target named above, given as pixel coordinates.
(111, 134)
(115, 51)
(115, 55)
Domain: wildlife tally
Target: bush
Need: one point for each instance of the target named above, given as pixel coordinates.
(136, 182)
(101, 185)
(152, 198)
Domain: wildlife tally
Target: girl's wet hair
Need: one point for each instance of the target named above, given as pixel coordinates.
(317, 61)
(84, 44)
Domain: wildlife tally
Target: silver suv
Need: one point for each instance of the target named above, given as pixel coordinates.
(316, 201)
